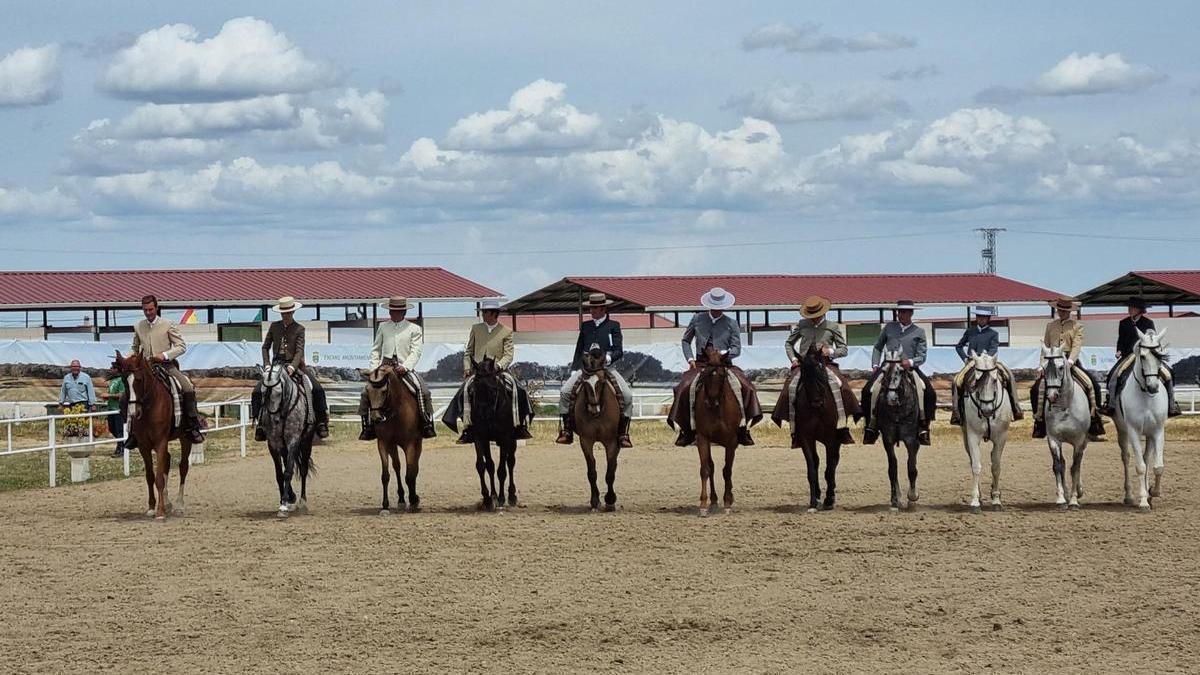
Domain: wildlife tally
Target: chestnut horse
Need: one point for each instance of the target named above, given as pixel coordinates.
(598, 420)
(398, 426)
(718, 414)
(815, 415)
(151, 422)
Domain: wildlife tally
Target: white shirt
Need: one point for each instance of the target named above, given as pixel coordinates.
(599, 321)
(490, 326)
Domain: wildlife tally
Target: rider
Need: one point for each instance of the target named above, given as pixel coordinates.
(1127, 342)
(1067, 332)
(159, 340)
(490, 339)
(815, 331)
(712, 328)
(603, 331)
(981, 339)
(909, 339)
(400, 340)
(285, 339)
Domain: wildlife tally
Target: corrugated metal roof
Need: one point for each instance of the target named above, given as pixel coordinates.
(232, 287)
(682, 293)
(1158, 287)
(570, 322)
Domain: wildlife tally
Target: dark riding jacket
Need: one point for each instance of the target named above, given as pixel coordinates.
(286, 342)
(607, 334)
(979, 340)
(1127, 337)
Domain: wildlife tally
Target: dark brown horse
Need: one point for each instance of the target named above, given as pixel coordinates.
(398, 426)
(815, 415)
(151, 422)
(492, 422)
(598, 420)
(718, 415)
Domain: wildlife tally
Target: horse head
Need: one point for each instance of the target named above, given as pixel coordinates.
(812, 372)
(894, 374)
(593, 358)
(714, 376)
(1055, 371)
(124, 365)
(985, 383)
(1151, 356)
(485, 368)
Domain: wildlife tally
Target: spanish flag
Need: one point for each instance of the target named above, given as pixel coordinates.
(189, 317)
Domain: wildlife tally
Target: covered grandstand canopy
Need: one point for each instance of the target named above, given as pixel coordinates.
(781, 291)
(1158, 287)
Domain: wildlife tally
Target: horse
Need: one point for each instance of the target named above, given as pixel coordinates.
(1068, 417)
(151, 422)
(814, 414)
(986, 416)
(597, 413)
(398, 426)
(492, 422)
(290, 423)
(718, 415)
(898, 413)
(1141, 417)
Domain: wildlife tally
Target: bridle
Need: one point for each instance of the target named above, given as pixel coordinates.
(987, 407)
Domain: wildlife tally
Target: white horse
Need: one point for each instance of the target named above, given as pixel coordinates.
(1068, 416)
(1141, 416)
(986, 416)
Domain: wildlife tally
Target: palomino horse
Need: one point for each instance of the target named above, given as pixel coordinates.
(1068, 416)
(986, 415)
(492, 422)
(814, 412)
(289, 422)
(151, 422)
(718, 415)
(598, 420)
(1141, 417)
(398, 425)
(898, 412)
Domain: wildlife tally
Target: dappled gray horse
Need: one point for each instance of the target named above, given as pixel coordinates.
(289, 421)
(898, 414)
(986, 415)
(1141, 417)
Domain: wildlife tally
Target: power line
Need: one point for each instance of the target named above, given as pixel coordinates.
(1106, 237)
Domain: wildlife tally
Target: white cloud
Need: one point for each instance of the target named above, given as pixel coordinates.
(1094, 74)
(246, 58)
(980, 135)
(915, 73)
(808, 38)
(23, 204)
(30, 76)
(788, 104)
(538, 118)
(153, 120)
(168, 191)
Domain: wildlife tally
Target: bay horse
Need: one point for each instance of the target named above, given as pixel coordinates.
(717, 413)
(1068, 417)
(1141, 416)
(492, 422)
(986, 416)
(597, 415)
(290, 422)
(814, 415)
(898, 412)
(152, 423)
(398, 426)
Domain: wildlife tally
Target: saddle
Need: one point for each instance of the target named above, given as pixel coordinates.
(160, 372)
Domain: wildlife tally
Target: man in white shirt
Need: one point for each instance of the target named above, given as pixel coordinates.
(397, 346)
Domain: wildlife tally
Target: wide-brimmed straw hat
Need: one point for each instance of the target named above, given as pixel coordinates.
(397, 303)
(597, 300)
(286, 305)
(814, 306)
(905, 304)
(1063, 303)
(718, 298)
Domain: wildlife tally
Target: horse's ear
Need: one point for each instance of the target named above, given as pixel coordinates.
(1045, 350)
(1162, 334)
(1141, 335)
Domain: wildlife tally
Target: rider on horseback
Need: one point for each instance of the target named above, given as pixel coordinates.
(397, 346)
(603, 331)
(905, 336)
(981, 339)
(815, 332)
(160, 341)
(284, 344)
(490, 339)
(1067, 332)
(1127, 342)
(712, 328)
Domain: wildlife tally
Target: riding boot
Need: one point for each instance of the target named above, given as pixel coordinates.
(467, 436)
(743, 436)
(566, 436)
(1039, 428)
(130, 440)
(119, 451)
(955, 414)
(368, 429)
(427, 428)
(844, 436)
(923, 435)
(195, 425)
(623, 431)
(521, 433)
(1172, 405)
(1014, 402)
(1096, 429)
(260, 434)
(1108, 410)
(870, 436)
(685, 438)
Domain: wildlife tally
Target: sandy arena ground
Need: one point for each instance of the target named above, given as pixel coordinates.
(89, 584)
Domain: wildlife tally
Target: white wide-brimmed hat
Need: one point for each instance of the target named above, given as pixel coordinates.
(397, 303)
(490, 304)
(286, 305)
(905, 304)
(718, 298)
(981, 310)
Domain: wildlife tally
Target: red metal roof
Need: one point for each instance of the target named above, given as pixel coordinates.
(233, 287)
(570, 322)
(1187, 281)
(849, 290)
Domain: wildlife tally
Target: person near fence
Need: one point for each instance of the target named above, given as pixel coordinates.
(397, 346)
(981, 338)
(489, 339)
(284, 344)
(1127, 342)
(77, 389)
(603, 331)
(158, 339)
(909, 338)
(1067, 332)
(116, 420)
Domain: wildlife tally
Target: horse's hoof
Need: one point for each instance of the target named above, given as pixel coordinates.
(414, 508)
(1073, 507)
(1155, 492)
(384, 512)
(827, 506)
(976, 510)
(150, 512)
(1128, 501)
(1062, 507)
(1144, 508)
(302, 507)
(728, 510)
(703, 513)
(894, 509)
(997, 507)
(161, 519)
(811, 509)
(282, 513)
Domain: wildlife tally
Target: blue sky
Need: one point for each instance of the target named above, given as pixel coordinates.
(509, 141)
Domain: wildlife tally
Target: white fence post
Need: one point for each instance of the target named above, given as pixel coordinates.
(243, 415)
(53, 454)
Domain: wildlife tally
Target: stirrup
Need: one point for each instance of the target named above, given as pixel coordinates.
(322, 429)
(870, 436)
(923, 437)
(685, 438)
(744, 437)
(521, 433)
(428, 430)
